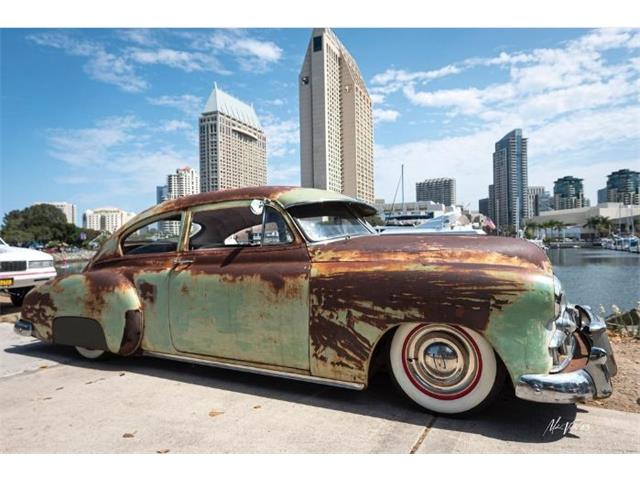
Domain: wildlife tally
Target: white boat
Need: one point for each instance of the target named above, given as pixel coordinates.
(452, 223)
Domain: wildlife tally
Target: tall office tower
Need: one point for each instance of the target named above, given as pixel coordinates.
(483, 207)
(233, 146)
(439, 190)
(492, 203)
(623, 186)
(533, 194)
(336, 120)
(510, 180)
(568, 192)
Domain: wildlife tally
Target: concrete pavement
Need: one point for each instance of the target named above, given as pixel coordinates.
(53, 401)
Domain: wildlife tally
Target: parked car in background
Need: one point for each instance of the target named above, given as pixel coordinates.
(293, 282)
(21, 269)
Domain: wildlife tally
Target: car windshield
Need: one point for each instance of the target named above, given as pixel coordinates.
(323, 221)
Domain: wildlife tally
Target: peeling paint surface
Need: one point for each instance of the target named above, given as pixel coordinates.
(316, 309)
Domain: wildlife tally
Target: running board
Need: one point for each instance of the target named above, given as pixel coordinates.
(258, 370)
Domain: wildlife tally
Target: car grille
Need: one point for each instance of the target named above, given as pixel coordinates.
(17, 266)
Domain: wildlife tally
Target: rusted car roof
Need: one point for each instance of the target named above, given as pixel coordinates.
(287, 196)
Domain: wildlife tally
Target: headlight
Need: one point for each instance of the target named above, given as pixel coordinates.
(41, 264)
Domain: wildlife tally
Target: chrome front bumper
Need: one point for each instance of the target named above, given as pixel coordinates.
(23, 328)
(592, 381)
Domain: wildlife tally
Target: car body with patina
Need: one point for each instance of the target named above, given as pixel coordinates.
(294, 282)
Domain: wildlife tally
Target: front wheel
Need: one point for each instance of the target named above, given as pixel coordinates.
(444, 368)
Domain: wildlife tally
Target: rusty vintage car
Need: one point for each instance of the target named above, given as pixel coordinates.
(294, 282)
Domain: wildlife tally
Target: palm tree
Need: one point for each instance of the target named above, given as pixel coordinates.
(600, 224)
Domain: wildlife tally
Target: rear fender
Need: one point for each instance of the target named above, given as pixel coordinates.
(106, 297)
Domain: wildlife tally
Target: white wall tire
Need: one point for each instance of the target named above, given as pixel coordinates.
(444, 368)
(90, 353)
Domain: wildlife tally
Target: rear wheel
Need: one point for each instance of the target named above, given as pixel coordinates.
(443, 368)
(90, 353)
(17, 295)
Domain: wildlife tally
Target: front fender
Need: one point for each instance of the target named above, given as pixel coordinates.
(109, 298)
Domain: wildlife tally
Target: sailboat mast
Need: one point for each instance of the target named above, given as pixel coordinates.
(402, 180)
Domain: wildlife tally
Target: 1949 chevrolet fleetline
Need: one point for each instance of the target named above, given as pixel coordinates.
(294, 282)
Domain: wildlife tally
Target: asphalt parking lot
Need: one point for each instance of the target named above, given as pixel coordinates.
(53, 401)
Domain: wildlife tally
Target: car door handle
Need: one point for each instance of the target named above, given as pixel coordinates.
(183, 261)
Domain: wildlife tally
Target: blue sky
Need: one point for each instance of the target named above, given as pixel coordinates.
(99, 117)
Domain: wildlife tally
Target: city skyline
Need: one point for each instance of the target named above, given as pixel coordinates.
(97, 135)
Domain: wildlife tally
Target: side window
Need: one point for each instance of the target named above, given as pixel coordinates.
(237, 226)
(155, 237)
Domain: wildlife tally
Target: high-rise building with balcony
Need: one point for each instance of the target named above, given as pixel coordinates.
(185, 181)
(107, 219)
(623, 187)
(568, 192)
(439, 190)
(233, 151)
(510, 181)
(336, 120)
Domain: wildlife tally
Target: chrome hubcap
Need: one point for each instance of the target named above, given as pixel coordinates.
(441, 360)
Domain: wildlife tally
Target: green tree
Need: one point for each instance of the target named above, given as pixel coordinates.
(43, 224)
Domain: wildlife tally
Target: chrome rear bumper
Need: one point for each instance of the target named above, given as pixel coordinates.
(593, 381)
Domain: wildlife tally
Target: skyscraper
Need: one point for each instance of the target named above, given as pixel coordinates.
(336, 120)
(568, 192)
(439, 190)
(623, 186)
(233, 151)
(510, 180)
(107, 219)
(185, 181)
(162, 193)
(483, 207)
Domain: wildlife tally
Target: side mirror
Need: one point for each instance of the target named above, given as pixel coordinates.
(257, 207)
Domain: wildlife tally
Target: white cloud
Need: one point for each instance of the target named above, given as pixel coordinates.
(87, 147)
(283, 136)
(251, 54)
(101, 64)
(140, 36)
(121, 157)
(283, 174)
(174, 126)
(188, 104)
(180, 59)
(382, 115)
(377, 98)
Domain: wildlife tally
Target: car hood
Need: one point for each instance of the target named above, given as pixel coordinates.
(437, 249)
(17, 254)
